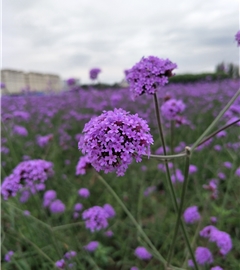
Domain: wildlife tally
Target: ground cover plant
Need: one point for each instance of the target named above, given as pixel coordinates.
(95, 180)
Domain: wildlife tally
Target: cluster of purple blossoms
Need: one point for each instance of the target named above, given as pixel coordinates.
(191, 215)
(8, 256)
(213, 188)
(91, 246)
(83, 165)
(113, 139)
(237, 37)
(71, 81)
(216, 268)
(29, 174)
(172, 108)
(222, 239)
(177, 177)
(97, 217)
(66, 260)
(142, 253)
(148, 74)
(20, 130)
(57, 206)
(203, 256)
(83, 192)
(77, 208)
(94, 73)
(44, 140)
(48, 197)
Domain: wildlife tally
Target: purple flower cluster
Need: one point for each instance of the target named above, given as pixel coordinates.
(148, 74)
(222, 239)
(71, 81)
(237, 37)
(48, 197)
(203, 256)
(97, 217)
(94, 73)
(191, 214)
(44, 140)
(20, 130)
(172, 108)
(29, 174)
(83, 165)
(57, 206)
(66, 260)
(113, 139)
(83, 192)
(213, 188)
(91, 246)
(8, 256)
(142, 253)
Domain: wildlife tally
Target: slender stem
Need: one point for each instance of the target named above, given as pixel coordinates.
(66, 226)
(157, 254)
(170, 184)
(185, 183)
(217, 131)
(216, 120)
(167, 157)
(172, 136)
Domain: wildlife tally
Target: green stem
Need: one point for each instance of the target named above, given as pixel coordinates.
(169, 181)
(216, 120)
(157, 254)
(166, 157)
(67, 226)
(185, 183)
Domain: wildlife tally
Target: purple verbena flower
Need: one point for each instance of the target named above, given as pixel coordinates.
(20, 130)
(172, 108)
(134, 268)
(148, 74)
(83, 192)
(191, 214)
(28, 175)
(8, 256)
(203, 256)
(237, 38)
(44, 140)
(109, 210)
(57, 206)
(96, 218)
(108, 233)
(70, 254)
(192, 169)
(237, 173)
(78, 207)
(94, 73)
(178, 176)
(91, 246)
(216, 268)
(83, 165)
(142, 253)
(113, 139)
(71, 81)
(60, 264)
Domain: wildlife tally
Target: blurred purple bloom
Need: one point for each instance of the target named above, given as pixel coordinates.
(134, 268)
(171, 108)
(213, 220)
(44, 140)
(217, 147)
(57, 206)
(192, 169)
(96, 218)
(91, 246)
(48, 197)
(108, 233)
(227, 164)
(142, 253)
(178, 177)
(83, 165)
(71, 81)
(8, 256)
(22, 131)
(109, 210)
(223, 241)
(237, 173)
(4, 149)
(160, 150)
(70, 254)
(28, 175)
(25, 195)
(144, 168)
(122, 136)
(149, 190)
(216, 268)
(94, 73)
(60, 264)
(78, 207)
(221, 175)
(76, 215)
(221, 134)
(190, 263)
(26, 213)
(191, 214)
(148, 74)
(83, 192)
(237, 38)
(203, 256)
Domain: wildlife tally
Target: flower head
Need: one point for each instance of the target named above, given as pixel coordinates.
(146, 75)
(142, 253)
(8, 256)
(91, 246)
(83, 165)
(191, 214)
(83, 192)
(57, 206)
(60, 264)
(113, 139)
(203, 256)
(29, 175)
(96, 218)
(109, 210)
(70, 254)
(237, 37)
(172, 108)
(94, 73)
(78, 207)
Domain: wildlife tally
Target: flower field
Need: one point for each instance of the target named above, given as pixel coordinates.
(81, 194)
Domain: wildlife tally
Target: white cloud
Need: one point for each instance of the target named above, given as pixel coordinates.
(70, 37)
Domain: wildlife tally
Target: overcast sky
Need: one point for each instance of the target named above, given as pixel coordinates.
(70, 37)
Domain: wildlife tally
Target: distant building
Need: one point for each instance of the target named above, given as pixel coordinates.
(16, 81)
